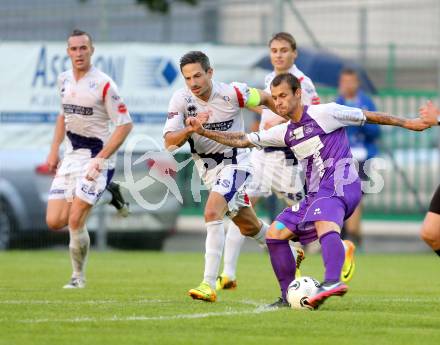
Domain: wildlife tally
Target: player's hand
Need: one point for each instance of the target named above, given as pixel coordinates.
(194, 125)
(417, 124)
(203, 116)
(429, 113)
(52, 161)
(94, 169)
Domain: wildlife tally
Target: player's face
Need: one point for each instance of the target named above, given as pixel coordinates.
(80, 52)
(282, 55)
(348, 85)
(197, 79)
(286, 101)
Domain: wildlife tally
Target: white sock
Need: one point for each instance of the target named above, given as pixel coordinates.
(260, 237)
(79, 248)
(233, 243)
(105, 198)
(215, 240)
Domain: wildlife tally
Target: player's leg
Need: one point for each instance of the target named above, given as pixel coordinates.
(233, 243)
(215, 210)
(79, 243)
(353, 226)
(281, 258)
(60, 198)
(333, 255)
(57, 213)
(430, 232)
(112, 195)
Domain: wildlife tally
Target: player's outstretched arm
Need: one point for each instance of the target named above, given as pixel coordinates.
(267, 100)
(430, 114)
(416, 124)
(233, 139)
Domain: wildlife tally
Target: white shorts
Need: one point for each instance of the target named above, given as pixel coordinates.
(273, 172)
(228, 180)
(70, 180)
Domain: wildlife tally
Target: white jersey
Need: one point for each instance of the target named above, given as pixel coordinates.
(308, 96)
(224, 109)
(90, 105)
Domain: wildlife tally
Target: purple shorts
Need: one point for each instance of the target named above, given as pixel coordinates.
(324, 205)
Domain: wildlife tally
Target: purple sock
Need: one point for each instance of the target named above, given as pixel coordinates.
(333, 255)
(283, 263)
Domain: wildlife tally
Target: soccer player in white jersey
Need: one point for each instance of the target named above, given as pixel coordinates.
(275, 168)
(316, 135)
(224, 170)
(90, 103)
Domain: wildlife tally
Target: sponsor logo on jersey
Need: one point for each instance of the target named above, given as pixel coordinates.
(219, 126)
(77, 109)
(192, 110)
(171, 114)
(308, 129)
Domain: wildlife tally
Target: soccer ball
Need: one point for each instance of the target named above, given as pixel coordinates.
(299, 290)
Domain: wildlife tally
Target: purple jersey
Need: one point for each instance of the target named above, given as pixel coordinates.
(320, 143)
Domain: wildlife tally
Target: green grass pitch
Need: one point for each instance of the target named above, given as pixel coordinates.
(140, 298)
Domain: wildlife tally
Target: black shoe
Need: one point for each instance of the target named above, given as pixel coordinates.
(118, 200)
(279, 303)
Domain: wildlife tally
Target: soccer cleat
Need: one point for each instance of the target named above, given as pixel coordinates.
(75, 283)
(118, 200)
(278, 304)
(224, 283)
(349, 264)
(203, 292)
(300, 257)
(326, 290)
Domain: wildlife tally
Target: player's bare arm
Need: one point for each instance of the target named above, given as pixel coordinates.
(117, 138)
(58, 137)
(176, 139)
(416, 124)
(233, 139)
(430, 114)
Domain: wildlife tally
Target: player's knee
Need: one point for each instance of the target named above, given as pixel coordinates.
(211, 214)
(75, 220)
(55, 223)
(273, 233)
(248, 229)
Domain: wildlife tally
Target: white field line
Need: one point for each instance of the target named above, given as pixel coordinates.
(90, 302)
(116, 318)
(109, 301)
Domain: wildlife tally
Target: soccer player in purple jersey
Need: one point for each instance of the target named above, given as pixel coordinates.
(317, 137)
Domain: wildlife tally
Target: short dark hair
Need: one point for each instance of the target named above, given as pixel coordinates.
(78, 32)
(195, 57)
(349, 71)
(288, 78)
(285, 36)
